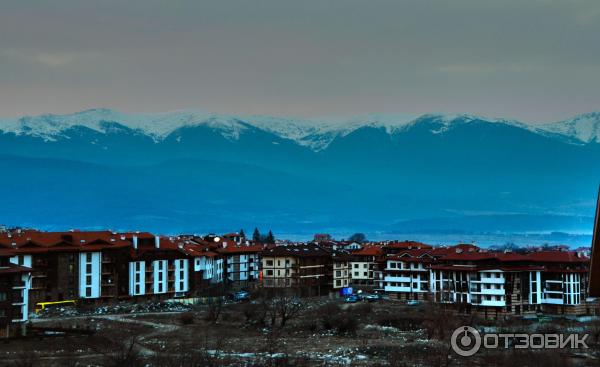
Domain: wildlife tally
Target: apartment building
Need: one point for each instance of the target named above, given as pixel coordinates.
(365, 267)
(14, 288)
(159, 267)
(307, 268)
(70, 265)
(242, 261)
(342, 276)
(208, 266)
(406, 274)
(494, 284)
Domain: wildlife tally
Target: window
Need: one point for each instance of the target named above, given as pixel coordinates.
(338, 273)
(355, 266)
(88, 292)
(393, 265)
(356, 273)
(2, 296)
(365, 266)
(269, 262)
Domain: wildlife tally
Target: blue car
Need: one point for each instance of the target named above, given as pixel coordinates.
(352, 299)
(241, 296)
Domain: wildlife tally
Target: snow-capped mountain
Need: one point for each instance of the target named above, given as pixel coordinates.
(195, 171)
(316, 133)
(585, 128)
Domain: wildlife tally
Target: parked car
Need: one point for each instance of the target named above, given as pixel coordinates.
(241, 296)
(373, 297)
(352, 299)
(412, 302)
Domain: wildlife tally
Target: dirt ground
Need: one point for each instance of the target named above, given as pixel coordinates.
(321, 333)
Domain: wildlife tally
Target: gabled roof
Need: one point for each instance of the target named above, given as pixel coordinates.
(232, 249)
(407, 245)
(368, 251)
(304, 250)
(37, 241)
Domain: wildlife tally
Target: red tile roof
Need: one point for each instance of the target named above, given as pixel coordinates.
(232, 249)
(407, 245)
(368, 251)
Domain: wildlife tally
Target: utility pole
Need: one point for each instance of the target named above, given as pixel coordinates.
(594, 281)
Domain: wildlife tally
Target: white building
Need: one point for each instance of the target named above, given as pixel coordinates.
(242, 262)
(24, 287)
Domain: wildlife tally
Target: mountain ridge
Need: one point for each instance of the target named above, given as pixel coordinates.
(205, 171)
(314, 133)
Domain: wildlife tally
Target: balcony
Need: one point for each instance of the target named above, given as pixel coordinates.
(489, 281)
(493, 303)
(553, 301)
(389, 288)
(492, 292)
(397, 279)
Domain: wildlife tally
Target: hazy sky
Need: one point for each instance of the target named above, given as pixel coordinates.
(532, 60)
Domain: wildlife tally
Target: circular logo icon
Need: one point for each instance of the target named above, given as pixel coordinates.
(466, 341)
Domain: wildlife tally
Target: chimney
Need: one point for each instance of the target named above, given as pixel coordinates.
(157, 241)
(135, 243)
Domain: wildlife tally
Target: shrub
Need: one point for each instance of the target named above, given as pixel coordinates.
(346, 324)
(362, 310)
(328, 314)
(186, 318)
(401, 322)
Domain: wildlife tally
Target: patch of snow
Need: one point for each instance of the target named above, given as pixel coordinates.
(157, 125)
(585, 128)
(314, 133)
(387, 329)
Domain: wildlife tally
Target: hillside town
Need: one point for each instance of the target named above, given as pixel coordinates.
(39, 270)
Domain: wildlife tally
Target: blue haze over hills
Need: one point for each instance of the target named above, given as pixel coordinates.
(190, 171)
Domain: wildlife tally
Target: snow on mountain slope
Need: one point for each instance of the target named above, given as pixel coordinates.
(318, 133)
(157, 125)
(315, 133)
(585, 128)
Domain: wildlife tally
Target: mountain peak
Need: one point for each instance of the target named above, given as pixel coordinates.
(584, 127)
(315, 133)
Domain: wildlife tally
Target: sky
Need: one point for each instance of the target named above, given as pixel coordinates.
(536, 60)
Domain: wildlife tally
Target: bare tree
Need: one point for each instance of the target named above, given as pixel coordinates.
(215, 307)
(119, 352)
(287, 308)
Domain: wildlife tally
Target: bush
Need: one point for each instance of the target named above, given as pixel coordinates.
(186, 318)
(346, 324)
(328, 313)
(362, 310)
(401, 322)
